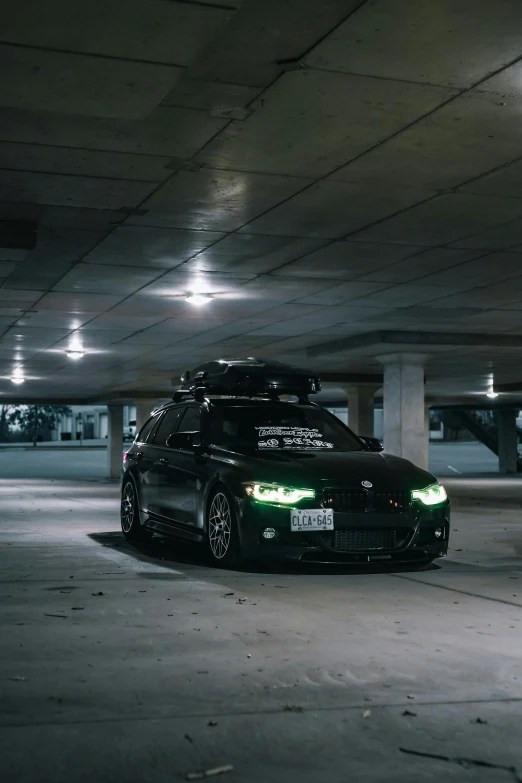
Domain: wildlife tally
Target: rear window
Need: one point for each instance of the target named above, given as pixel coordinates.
(283, 427)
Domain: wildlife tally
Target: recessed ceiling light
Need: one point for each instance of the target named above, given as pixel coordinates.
(75, 354)
(198, 299)
(17, 379)
(492, 394)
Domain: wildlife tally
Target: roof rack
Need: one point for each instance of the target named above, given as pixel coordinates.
(247, 378)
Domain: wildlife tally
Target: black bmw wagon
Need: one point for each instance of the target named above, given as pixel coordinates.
(246, 474)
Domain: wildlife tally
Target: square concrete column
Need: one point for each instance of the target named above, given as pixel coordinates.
(426, 433)
(361, 408)
(115, 441)
(507, 440)
(143, 410)
(403, 406)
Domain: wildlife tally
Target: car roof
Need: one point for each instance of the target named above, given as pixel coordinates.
(223, 402)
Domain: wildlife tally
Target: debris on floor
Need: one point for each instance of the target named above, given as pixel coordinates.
(292, 708)
(366, 714)
(99, 593)
(408, 713)
(209, 773)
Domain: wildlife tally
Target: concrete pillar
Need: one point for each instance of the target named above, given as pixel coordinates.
(143, 410)
(403, 404)
(426, 433)
(507, 440)
(115, 441)
(361, 408)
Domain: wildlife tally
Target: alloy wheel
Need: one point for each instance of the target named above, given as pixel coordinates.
(219, 526)
(127, 508)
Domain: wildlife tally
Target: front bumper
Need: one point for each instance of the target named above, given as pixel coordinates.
(357, 537)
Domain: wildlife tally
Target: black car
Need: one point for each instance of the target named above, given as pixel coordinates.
(230, 465)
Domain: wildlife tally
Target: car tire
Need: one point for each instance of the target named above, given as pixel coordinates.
(223, 542)
(131, 525)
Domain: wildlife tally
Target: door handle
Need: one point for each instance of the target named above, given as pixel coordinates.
(163, 461)
(136, 455)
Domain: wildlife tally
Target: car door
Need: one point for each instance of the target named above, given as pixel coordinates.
(140, 460)
(157, 456)
(183, 473)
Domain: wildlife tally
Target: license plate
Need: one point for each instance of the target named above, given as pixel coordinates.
(306, 519)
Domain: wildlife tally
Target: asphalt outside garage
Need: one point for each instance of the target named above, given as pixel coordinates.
(145, 664)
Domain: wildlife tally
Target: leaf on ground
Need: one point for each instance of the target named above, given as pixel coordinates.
(209, 773)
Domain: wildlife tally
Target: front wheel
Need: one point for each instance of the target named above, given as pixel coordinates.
(223, 538)
(130, 514)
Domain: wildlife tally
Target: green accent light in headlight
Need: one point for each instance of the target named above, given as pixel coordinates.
(430, 496)
(274, 493)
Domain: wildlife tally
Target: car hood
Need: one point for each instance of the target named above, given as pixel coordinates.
(342, 469)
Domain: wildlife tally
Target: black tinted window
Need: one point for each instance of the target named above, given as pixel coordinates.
(280, 427)
(191, 421)
(167, 426)
(146, 429)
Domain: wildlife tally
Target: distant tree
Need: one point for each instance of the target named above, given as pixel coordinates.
(35, 419)
(5, 413)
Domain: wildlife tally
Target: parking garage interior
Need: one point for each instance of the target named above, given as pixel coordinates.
(334, 185)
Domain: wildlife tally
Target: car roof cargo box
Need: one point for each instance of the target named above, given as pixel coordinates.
(250, 377)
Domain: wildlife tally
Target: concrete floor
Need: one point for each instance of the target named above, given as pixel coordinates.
(142, 664)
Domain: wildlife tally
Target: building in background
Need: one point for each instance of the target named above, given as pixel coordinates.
(91, 422)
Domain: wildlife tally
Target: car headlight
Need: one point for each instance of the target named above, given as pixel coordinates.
(430, 496)
(275, 493)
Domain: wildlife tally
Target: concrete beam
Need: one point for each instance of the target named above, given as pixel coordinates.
(424, 339)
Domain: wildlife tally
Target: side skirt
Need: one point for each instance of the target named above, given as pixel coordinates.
(175, 529)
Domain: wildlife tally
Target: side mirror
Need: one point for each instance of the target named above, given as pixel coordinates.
(186, 441)
(371, 444)
(196, 440)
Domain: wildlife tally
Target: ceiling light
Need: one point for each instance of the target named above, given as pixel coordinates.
(492, 394)
(17, 379)
(75, 354)
(198, 299)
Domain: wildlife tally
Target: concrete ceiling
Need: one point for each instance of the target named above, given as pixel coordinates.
(325, 170)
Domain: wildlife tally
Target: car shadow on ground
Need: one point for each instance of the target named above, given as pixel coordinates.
(177, 553)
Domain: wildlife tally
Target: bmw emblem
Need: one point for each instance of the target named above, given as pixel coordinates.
(367, 484)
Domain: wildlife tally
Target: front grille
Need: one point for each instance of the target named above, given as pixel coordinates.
(339, 500)
(347, 501)
(364, 540)
(391, 502)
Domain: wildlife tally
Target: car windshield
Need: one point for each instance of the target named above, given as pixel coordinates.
(284, 427)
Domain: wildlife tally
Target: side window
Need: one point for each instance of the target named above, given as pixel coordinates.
(167, 425)
(191, 421)
(147, 429)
